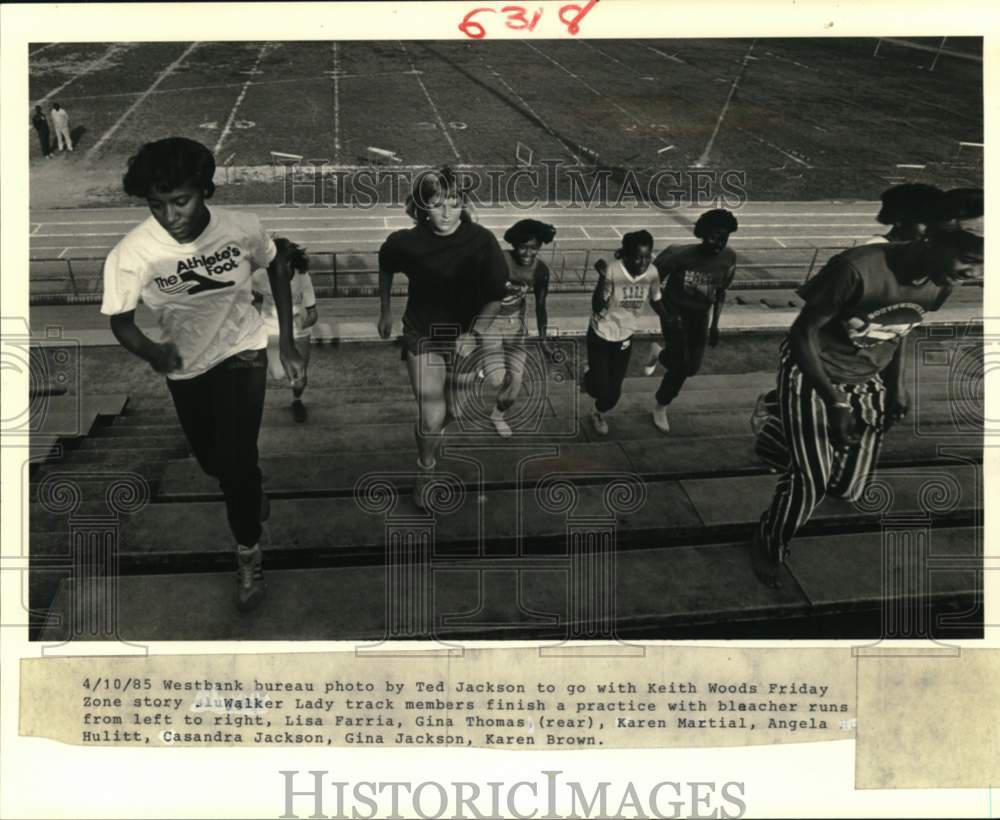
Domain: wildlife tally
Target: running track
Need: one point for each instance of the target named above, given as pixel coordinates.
(771, 226)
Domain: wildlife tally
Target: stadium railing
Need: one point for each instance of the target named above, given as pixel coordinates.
(69, 279)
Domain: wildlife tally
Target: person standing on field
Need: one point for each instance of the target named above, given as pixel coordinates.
(60, 121)
(41, 124)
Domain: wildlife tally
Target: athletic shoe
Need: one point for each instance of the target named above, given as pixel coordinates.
(500, 423)
(249, 577)
(765, 408)
(299, 412)
(423, 480)
(654, 357)
(660, 418)
(599, 422)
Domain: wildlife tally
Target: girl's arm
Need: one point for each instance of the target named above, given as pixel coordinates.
(602, 291)
(281, 291)
(385, 302)
(720, 301)
(541, 293)
(163, 357)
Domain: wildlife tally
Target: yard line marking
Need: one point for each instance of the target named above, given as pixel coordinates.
(610, 57)
(35, 229)
(243, 92)
(782, 244)
(336, 102)
(703, 159)
(584, 231)
(128, 112)
(563, 68)
(589, 86)
(40, 50)
(620, 235)
(60, 256)
(441, 123)
(781, 151)
(673, 57)
(524, 103)
(112, 50)
(788, 60)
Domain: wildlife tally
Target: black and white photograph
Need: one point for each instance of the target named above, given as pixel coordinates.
(458, 339)
(567, 409)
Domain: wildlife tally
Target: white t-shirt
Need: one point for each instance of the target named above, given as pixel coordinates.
(60, 118)
(303, 296)
(625, 297)
(876, 240)
(199, 291)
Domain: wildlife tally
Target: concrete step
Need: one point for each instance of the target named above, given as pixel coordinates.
(497, 464)
(657, 592)
(352, 529)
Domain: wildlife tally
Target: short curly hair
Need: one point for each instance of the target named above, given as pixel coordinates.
(717, 218)
(632, 241)
(524, 230)
(168, 164)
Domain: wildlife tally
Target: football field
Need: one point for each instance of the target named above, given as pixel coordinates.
(803, 118)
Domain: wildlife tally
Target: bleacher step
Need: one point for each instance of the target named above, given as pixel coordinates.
(658, 590)
(349, 529)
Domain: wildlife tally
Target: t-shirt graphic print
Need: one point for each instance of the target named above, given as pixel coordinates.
(875, 311)
(198, 291)
(624, 296)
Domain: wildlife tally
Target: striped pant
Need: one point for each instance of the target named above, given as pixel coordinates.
(812, 467)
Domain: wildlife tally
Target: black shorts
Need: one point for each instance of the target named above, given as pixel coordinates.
(421, 345)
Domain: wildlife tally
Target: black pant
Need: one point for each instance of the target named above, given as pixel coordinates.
(44, 141)
(685, 335)
(220, 412)
(607, 363)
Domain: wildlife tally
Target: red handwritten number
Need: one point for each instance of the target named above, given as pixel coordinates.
(516, 15)
(570, 16)
(573, 23)
(470, 28)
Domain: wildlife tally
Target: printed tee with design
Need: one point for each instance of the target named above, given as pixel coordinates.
(692, 278)
(875, 311)
(199, 291)
(624, 297)
(303, 296)
(522, 280)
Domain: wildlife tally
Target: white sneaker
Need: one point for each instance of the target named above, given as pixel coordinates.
(764, 410)
(599, 422)
(660, 418)
(500, 423)
(249, 578)
(654, 357)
